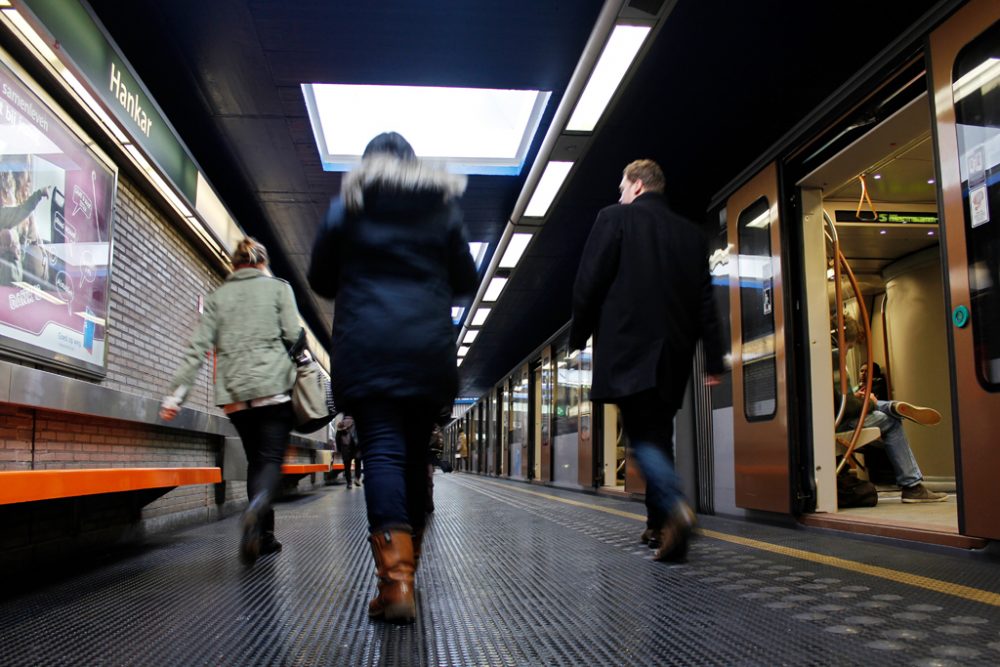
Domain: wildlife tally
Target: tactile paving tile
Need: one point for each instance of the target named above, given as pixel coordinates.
(508, 578)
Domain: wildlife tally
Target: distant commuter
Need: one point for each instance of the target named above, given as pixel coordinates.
(350, 451)
(251, 321)
(887, 416)
(644, 292)
(394, 254)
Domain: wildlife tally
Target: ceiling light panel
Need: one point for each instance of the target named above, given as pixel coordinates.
(480, 317)
(547, 189)
(472, 130)
(515, 248)
(470, 336)
(495, 287)
(617, 57)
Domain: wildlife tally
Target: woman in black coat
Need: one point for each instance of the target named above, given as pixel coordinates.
(394, 254)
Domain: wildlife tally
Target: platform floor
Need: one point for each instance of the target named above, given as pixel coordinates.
(514, 575)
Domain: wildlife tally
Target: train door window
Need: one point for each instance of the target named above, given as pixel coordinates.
(519, 423)
(757, 312)
(565, 441)
(976, 90)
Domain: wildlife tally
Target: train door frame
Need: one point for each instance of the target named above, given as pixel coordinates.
(761, 444)
(534, 419)
(977, 457)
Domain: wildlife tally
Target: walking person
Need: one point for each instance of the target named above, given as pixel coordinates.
(393, 254)
(644, 292)
(347, 445)
(252, 322)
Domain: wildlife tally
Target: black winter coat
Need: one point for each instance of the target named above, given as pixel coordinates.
(644, 291)
(393, 254)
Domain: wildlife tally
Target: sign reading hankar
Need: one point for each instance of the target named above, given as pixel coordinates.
(129, 101)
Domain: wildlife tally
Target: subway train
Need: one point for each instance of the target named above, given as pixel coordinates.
(876, 207)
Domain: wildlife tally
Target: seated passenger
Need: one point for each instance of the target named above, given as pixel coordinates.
(887, 416)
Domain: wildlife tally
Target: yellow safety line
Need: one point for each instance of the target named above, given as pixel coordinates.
(936, 585)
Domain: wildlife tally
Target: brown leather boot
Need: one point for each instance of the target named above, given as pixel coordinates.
(393, 552)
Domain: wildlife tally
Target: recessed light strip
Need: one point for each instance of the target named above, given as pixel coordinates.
(614, 63)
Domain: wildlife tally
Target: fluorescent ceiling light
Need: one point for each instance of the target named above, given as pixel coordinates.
(979, 77)
(460, 360)
(473, 130)
(493, 290)
(478, 251)
(617, 57)
(515, 248)
(547, 189)
(480, 317)
(761, 221)
(470, 336)
(463, 350)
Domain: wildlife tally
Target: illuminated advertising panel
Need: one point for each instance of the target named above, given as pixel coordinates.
(56, 203)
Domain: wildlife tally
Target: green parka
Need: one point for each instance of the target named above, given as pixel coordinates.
(251, 320)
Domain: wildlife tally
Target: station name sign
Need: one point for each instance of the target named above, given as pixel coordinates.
(83, 46)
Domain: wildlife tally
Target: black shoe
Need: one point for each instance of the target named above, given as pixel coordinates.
(251, 531)
(350, 486)
(269, 545)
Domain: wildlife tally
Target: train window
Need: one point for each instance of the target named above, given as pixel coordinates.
(976, 91)
(757, 312)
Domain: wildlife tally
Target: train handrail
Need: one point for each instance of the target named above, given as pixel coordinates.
(840, 264)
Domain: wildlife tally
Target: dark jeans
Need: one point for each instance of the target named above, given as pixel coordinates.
(348, 460)
(264, 432)
(395, 435)
(648, 420)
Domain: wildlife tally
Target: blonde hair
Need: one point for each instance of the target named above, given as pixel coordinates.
(249, 252)
(648, 172)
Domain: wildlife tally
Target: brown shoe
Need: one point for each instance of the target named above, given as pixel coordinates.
(647, 535)
(393, 552)
(673, 542)
(918, 493)
(915, 413)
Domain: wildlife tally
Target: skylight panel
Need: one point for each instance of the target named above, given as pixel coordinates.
(472, 130)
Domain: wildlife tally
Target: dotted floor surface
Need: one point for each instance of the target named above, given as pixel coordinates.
(509, 577)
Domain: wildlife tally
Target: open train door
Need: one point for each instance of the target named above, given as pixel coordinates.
(965, 59)
(757, 313)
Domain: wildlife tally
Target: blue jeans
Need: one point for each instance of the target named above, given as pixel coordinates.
(394, 435)
(648, 421)
(897, 447)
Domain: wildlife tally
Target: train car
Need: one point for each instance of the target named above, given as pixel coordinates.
(875, 208)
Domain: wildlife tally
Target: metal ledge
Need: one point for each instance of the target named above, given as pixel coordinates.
(34, 388)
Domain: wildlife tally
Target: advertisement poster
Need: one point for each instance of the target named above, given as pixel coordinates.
(56, 202)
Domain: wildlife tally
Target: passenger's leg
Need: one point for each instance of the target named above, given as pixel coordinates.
(264, 432)
(897, 447)
(382, 427)
(648, 422)
(347, 468)
(357, 468)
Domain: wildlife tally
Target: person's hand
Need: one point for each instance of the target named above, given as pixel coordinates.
(167, 414)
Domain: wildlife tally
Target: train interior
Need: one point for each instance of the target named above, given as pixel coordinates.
(879, 194)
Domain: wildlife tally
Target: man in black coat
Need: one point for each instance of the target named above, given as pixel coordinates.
(643, 290)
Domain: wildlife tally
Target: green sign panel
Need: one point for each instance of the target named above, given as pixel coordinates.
(98, 62)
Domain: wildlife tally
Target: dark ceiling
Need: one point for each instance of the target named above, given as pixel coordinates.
(721, 83)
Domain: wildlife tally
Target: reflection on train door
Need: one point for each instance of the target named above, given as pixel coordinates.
(760, 423)
(965, 55)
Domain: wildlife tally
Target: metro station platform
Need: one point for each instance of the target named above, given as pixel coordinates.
(513, 574)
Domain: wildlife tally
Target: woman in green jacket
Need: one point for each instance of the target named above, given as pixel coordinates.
(252, 322)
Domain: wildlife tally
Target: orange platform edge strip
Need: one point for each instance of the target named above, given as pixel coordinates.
(22, 486)
(304, 468)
